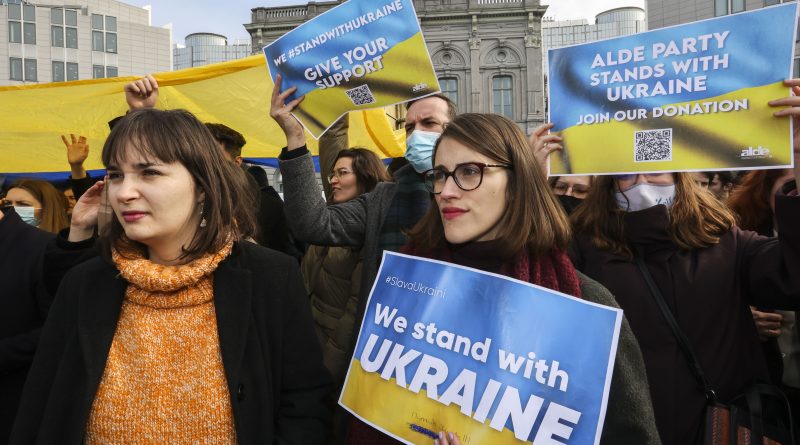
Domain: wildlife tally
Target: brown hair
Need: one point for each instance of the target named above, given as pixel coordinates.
(367, 167)
(232, 140)
(534, 218)
(697, 218)
(750, 200)
(452, 108)
(177, 136)
(53, 215)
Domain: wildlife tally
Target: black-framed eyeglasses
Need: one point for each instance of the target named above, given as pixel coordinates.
(467, 176)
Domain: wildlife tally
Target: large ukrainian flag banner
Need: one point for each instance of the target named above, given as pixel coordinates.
(496, 360)
(235, 93)
(689, 97)
(361, 54)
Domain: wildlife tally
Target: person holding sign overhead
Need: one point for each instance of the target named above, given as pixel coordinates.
(642, 235)
(493, 211)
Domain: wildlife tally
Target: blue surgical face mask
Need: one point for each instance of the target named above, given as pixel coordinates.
(419, 149)
(644, 196)
(27, 214)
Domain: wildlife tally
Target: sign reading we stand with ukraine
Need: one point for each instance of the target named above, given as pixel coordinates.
(493, 359)
(684, 98)
(358, 55)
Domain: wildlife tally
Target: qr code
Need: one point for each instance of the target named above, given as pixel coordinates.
(653, 145)
(361, 95)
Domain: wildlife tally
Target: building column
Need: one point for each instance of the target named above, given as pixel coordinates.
(534, 75)
(475, 68)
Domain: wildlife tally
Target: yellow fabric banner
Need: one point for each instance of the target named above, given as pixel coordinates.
(235, 93)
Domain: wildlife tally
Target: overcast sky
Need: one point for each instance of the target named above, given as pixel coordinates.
(227, 17)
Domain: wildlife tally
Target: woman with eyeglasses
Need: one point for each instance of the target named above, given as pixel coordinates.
(332, 274)
(708, 272)
(493, 210)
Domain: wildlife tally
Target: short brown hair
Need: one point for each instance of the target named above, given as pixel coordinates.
(367, 167)
(54, 204)
(178, 136)
(534, 218)
(452, 108)
(231, 140)
(697, 218)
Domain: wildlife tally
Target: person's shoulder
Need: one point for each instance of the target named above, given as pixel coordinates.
(253, 256)
(595, 292)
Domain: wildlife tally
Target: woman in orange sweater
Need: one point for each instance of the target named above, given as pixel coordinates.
(181, 332)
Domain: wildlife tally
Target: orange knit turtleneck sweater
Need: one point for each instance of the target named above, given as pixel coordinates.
(164, 381)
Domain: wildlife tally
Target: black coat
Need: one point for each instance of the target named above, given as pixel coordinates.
(708, 291)
(23, 307)
(271, 357)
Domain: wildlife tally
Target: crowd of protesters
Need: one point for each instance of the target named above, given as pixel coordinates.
(181, 298)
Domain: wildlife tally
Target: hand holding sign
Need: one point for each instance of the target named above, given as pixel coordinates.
(543, 143)
(792, 104)
(281, 113)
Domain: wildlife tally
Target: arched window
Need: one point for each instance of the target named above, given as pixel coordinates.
(502, 96)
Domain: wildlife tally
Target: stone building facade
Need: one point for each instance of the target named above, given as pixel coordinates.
(487, 53)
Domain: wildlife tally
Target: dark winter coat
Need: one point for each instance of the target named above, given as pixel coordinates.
(271, 357)
(23, 307)
(708, 291)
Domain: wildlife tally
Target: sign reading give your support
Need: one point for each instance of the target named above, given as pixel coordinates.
(360, 54)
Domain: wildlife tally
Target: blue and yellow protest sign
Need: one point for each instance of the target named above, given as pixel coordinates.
(689, 97)
(493, 359)
(361, 54)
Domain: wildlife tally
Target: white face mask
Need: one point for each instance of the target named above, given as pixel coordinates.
(27, 214)
(644, 196)
(419, 149)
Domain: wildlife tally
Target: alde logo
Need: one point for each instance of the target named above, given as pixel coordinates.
(419, 87)
(755, 153)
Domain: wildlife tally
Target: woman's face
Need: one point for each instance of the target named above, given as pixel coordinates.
(344, 185)
(156, 203)
(575, 186)
(626, 182)
(470, 215)
(19, 197)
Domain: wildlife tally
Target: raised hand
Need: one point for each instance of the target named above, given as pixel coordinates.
(77, 152)
(142, 93)
(85, 213)
(281, 113)
(543, 144)
(792, 109)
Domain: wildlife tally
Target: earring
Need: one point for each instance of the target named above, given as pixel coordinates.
(202, 218)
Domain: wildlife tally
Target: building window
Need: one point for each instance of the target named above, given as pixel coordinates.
(31, 74)
(111, 71)
(111, 42)
(501, 95)
(15, 32)
(14, 11)
(450, 88)
(71, 16)
(97, 41)
(58, 71)
(72, 37)
(57, 36)
(72, 71)
(68, 17)
(29, 13)
(16, 68)
(104, 41)
(98, 71)
(29, 33)
(725, 7)
(97, 21)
